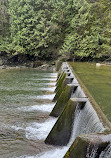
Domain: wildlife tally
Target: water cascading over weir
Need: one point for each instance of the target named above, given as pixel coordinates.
(81, 126)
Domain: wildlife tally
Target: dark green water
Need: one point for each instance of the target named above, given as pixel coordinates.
(98, 82)
(19, 90)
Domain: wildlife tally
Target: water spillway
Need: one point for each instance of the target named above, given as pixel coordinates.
(90, 146)
(71, 126)
(77, 116)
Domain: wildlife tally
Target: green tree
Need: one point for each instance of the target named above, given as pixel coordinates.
(4, 24)
(89, 34)
(32, 29)
(72, 28)
(4, 18)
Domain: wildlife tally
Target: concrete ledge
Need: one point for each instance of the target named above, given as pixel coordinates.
(78, 93)
(67, 74)
(61, 132)
(61, 86)
(70, 91)
(61, 78)
(79, 117)
(86, 146)
(58, 65)
(63, 99)
(62, 69)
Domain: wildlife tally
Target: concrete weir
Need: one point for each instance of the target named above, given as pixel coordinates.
(70, 91)
(90, 146)
(61, 132)
(81, 125)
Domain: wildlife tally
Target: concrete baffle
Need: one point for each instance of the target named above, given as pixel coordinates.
(61, 132)
(63, 99)
(89, 145)
(61, 86)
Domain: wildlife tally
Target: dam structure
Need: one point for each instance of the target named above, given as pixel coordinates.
(82, 130)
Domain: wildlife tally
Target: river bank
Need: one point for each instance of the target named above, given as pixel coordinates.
(25, 61)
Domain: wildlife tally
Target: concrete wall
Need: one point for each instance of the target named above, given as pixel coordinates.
(74, 105)
(88, 146)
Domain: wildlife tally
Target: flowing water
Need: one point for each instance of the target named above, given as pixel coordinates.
(106, 153)
(25, 104)
(86, 121)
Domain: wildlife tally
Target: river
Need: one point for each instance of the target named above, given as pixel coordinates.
(25, 103)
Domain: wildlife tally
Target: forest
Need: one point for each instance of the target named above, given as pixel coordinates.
(48, 29)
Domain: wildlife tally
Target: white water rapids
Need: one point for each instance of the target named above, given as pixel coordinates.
(85, 121)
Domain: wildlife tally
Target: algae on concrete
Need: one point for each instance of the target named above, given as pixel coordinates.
(58, 65)
(63, 99)
(85, 145)
(66, 81)
(60, 81)
(61, 132)
(59, 74)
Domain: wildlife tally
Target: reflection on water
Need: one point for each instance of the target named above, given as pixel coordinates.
(24, 111)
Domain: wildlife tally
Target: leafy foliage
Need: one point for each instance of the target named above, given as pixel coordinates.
(89, 30)
(4, 24)
(32, 29)
(70, 28)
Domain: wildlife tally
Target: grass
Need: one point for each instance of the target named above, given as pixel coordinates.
(98, 82)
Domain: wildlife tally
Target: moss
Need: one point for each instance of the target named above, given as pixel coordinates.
(61, 132)
(58, 65)
(77, 149)
(60, 81)
(63, 99)
(83, 143)
(59, 74)
(59, 91)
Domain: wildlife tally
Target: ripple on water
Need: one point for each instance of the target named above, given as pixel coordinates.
(42, 107)
(50, 89)
(58, 152)
(24, 105)
(40, 130)
(47, 97)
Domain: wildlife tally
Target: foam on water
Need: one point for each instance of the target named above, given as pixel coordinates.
(49, 96)
(40, 130)
(91, 151)
(16, 128)
(44, 79)
(86, 121)
(106, 153)
(50, 89)
(51, 75)
(49, 83)
(56, 153)
(54, 75)
(42, 107)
